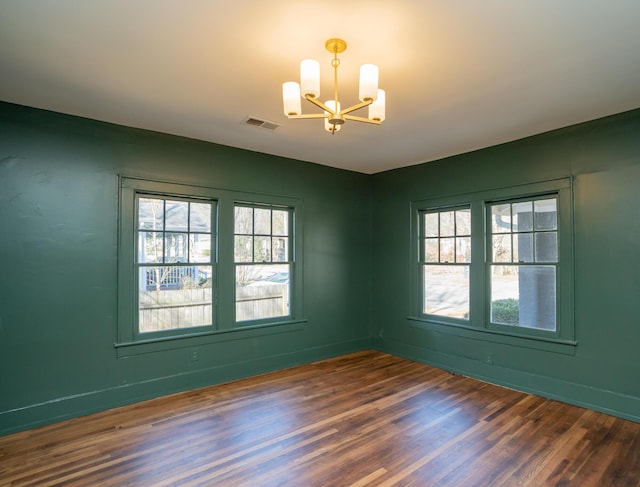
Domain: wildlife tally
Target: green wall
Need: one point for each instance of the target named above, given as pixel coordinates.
(58, 241)
(603, 157)
(58, 238)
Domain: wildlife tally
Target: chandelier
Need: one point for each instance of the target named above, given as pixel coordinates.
(334, 117)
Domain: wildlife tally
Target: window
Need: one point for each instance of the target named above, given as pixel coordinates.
(445, 258)
(523, 262)
(498, 262)
(263, 260)
(167, 261)
(174, 263)
(196, 263)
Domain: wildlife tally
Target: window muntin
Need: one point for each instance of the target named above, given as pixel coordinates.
(523, 261)
(445, 256)
(174, 263)
(263, 259)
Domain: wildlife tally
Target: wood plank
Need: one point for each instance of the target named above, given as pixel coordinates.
(363, 419)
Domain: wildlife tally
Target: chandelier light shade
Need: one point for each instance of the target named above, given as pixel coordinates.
(291, 97)
(368, 82)
(334, 116)
(376, 109)
(327, 125)
(310, 78)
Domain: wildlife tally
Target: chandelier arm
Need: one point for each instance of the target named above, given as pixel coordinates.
(318, 103)
(362, 119)
(356, 107)
(310, 115)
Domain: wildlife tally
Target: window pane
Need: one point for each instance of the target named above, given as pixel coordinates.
(200, 217)
(431, 225)
(431, 250)
(538, 297)
(501, 218)
(447, 249)
(174, 297)
(243, 249)
(447, 228)
(262, 249)
(176, 247)
(522, 217)
(200, 247)
(150, 214)
(149, 247)
(505, 295)
(523, 247)
(243, 220)
(524, 296)
(262, 221)
(446, 290)
(546, 247)
(176, 216)
(280, 222)
(545, 214)
(463, 249)
(463, 222)
(501, 248)
(280, 249)
(262, 291)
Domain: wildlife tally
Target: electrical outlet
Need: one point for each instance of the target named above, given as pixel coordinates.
(194, 354)
(490, 358)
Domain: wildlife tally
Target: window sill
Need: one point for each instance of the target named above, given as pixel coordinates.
(555, 345)
(151, 345)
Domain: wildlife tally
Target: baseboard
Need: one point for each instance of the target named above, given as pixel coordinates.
(608, 402)
(63, 408)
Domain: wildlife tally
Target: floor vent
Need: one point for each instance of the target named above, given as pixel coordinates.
(257, 122)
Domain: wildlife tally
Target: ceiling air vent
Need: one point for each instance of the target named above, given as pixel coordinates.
(257, 122)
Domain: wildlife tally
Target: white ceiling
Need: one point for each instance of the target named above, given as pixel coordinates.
(459, 75)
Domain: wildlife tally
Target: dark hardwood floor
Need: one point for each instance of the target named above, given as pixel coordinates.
(362, 419)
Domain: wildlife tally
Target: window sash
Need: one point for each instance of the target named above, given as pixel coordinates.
(445, 256)
(525, 295)
(263, 262)
(174, 295)
(523, 262)
(446, 291)
(448, 240)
